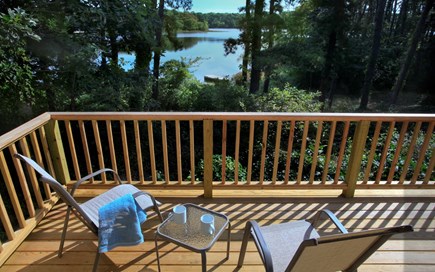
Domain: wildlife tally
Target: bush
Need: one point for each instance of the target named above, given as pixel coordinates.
(290, 99)
(217, 169)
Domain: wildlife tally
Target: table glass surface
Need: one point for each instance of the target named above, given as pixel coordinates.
(190, 233)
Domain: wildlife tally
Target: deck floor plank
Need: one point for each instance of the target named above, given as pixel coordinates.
(409, 252)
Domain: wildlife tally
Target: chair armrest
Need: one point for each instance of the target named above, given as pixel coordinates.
(155, 204)
(99, 172)
(332, 217)
(261, 245)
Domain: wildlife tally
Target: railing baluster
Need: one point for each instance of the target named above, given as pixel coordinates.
(277, 149)
(47, 153)
(138, 151)
(178, 141)
(251, 151)
(111, 145)
(397, 152)
(224, 151)
(165, 152)
(385, 152)
(125, 151)
(152, 151)
(192, 151)
(6, 221)
(86, 148)
(99, 149)
(316, 151)
(11, 191)
(289, 150)
(341, 152)
(302, 154)
(72, 149)
(208, 158)
(263, 150)
(37, 152)
(23, 182)
(33, 179)
(430, 168)
(237, 152)
(422, 151)
(411, 148)
(372, 151)
(329, 151)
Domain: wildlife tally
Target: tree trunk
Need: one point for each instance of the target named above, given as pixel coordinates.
(401, 20)
(326, 73)
(256, 47)
(246, 42)
(329, 77)
(404, 69)
(158, 50)
(143, 56)
(270, 44)
(114, 48)
(393, 19)
(373, 56)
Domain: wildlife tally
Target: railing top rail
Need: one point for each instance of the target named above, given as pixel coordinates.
(23, 130)
(387, 117)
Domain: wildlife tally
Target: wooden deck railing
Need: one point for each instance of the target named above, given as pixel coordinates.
(212, 150)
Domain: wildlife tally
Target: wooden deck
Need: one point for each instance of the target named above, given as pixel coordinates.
(410, 252)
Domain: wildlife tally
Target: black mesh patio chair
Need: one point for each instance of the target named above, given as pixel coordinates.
(87, 212)
(297, 246)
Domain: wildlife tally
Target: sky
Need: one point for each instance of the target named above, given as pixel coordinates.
(229, 6)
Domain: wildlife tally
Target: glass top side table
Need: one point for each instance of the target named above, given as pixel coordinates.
(189, 235)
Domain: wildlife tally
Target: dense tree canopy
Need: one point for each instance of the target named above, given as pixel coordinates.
(64, 55)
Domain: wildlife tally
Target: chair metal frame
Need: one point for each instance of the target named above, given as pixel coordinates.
(252, 229)
(73, 206)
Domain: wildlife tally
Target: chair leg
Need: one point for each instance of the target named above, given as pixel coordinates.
(65, 226)
(246, 235)
(97, 260)
(157, 210)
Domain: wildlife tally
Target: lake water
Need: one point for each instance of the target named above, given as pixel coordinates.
(207, 45)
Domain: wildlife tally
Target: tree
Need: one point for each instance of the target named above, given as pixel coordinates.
(270, 39)
(398, 85)
(256, 47)
(373, 55)
(246, 39)
(176, 4)
(334, 29)
(16, 26)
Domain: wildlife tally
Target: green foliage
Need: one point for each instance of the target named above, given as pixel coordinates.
(217, 169)
(15, 71)
(290, 99)
(189, 22)
(16, 28)
(220, 20)
(115, 90)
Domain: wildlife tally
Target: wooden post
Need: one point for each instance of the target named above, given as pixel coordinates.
(208, 158)
(57, 153)
(354, 164)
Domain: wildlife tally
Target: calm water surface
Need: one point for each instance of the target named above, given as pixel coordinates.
(206, 45)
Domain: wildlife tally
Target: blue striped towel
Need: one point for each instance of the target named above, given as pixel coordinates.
(119, 224)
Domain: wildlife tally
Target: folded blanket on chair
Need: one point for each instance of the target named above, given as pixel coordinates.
(119, 223)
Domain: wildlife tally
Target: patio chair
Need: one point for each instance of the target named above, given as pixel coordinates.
(297, 246)
(87, 212)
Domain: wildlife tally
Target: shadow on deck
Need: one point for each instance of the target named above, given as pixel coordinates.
(409, 252)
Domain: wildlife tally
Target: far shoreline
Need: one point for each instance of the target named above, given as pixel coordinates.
(209, 30)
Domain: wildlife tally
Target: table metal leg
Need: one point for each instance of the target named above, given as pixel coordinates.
(204, 261)
(157, 252)
(229, 240)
